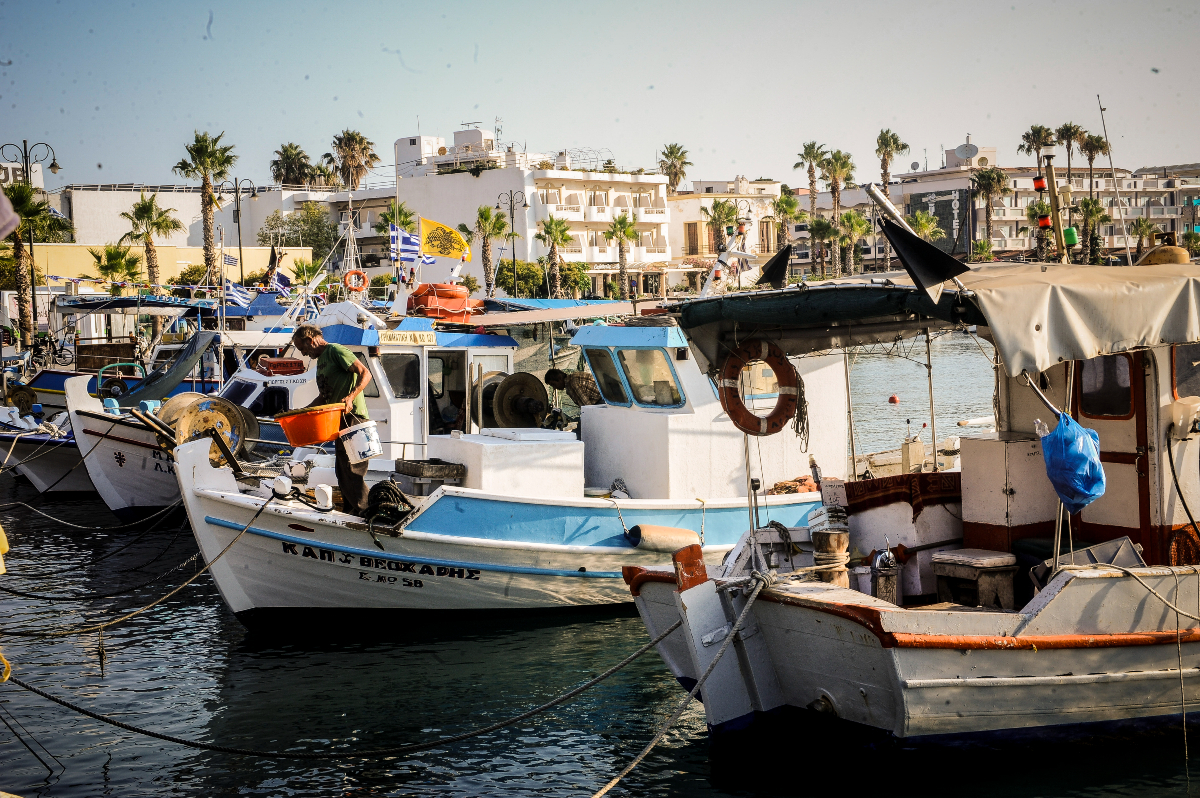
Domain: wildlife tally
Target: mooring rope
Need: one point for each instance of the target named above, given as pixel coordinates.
(761, 580)
(93, 596)
(100, 627)
(374, 753)
(39, 574)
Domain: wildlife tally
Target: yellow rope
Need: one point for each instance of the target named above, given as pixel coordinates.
(7, 670)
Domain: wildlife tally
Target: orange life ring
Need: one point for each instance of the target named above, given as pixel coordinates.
(359, 282)
(785, 373)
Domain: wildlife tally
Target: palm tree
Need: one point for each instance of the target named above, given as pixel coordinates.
(33, 213)
(722, 214)
(556, 233)
(887, 146)
(147, 221)
(674, 163)
(1092, 147)
(812, 156)
(925, 225)
(837, 170)
(988, 184)
(623, 231)
(1032, 211)
(322, 174)
(1191, 242)
(399, 214)
(304, 269)
(1144, 229)
(489, 223)
(118, 264)
(291, 166)
(785, 210)
(1069, 135)
(1034, 140)
(352, 157)
(1093, 216)
(207, 162)
(821, 230)
(854, 228)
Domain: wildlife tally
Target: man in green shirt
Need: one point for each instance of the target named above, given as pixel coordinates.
(341, 378)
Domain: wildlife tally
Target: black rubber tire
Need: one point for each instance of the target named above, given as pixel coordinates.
(113, 388)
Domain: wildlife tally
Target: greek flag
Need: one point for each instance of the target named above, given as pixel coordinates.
(55, 212)
(428, 260)
(231, 261)
(236, 293)
(279, 282)
(405, 247)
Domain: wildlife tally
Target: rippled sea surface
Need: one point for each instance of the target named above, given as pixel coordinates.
(187, 668)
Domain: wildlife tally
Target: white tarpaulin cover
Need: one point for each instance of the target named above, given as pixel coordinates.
(1039, 319)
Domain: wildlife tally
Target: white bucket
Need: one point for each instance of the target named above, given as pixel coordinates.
(362, 441)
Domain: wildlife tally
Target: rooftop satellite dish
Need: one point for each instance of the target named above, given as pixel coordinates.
(966, 151)
(441, 150)
(915, 165)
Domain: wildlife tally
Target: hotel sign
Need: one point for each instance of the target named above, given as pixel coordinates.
(14, 173)
(408, 337)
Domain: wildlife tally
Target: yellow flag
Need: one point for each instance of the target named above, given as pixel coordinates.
(442, 241)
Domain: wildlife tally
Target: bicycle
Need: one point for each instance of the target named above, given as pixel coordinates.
(47, 352)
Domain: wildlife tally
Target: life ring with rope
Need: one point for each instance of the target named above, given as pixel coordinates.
(748, 352)
(355, 280)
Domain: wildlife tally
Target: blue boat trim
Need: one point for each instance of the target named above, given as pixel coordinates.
(376, 554)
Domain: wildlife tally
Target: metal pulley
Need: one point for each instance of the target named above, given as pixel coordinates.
(208, 415)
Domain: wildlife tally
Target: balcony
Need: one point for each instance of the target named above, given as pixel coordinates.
(571, 213)
(652, 254)
(597, 213)
(601, 254)
(652, 215)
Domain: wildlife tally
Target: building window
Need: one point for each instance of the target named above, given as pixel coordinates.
(708, 189)
(766, 237)
(691, 231)
(412, 142)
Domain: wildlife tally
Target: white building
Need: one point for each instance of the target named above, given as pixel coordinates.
(692, 236)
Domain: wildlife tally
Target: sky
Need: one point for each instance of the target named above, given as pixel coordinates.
(117, 88)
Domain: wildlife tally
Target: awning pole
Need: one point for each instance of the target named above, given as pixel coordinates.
(850, 417)
(932, 414)
(1029, 381)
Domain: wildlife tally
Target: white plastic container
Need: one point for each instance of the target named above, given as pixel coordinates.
(362, 441)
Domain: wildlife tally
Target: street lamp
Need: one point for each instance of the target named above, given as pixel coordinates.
(29, 156)
(511, 198)
(237, 187)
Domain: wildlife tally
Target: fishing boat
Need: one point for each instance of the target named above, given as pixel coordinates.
(509, 515)
(1024, 629)
(44, 453)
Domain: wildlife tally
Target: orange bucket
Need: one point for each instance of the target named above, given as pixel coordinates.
(310, 425)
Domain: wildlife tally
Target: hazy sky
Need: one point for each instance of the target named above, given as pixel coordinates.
(118, 87)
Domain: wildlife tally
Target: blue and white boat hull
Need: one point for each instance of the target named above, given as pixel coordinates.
(464, 550)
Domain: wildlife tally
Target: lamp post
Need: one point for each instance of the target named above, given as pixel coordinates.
(511, 198)
(237, 187)
(31, 155)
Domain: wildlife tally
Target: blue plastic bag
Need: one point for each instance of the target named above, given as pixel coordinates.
(1072, 456)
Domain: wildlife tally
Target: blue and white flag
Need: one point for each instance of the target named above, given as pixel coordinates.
(236, 293)
(281, 283)
(230, 260)
(428, 260)
(405, 246)
(55, 212)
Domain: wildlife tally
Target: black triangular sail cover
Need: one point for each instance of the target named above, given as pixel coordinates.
(775, 271)
(927, 265)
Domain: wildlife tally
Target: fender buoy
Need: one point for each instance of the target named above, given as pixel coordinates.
(893, 400)
(355, 280)
(785, 374)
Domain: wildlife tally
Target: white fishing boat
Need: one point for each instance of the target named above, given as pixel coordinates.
(1113, 632)
(509, 516)
(44, 453)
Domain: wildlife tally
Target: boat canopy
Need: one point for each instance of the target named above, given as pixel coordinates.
(144, 305)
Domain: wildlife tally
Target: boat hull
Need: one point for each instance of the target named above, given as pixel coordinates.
(1087, 651)
(50, 464)
(461, 553)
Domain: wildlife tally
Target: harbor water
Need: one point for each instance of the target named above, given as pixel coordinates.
(188, 668)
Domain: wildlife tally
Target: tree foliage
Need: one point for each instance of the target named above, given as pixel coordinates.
(309, 226)
(352, 157)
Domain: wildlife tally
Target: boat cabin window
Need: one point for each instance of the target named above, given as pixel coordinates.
(372, 389)
(437, 371)
(650, 377)
(1185, 364)
(404, 374)
(271, 402)
(238, 391)
(607, 378)
(1105, 387)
